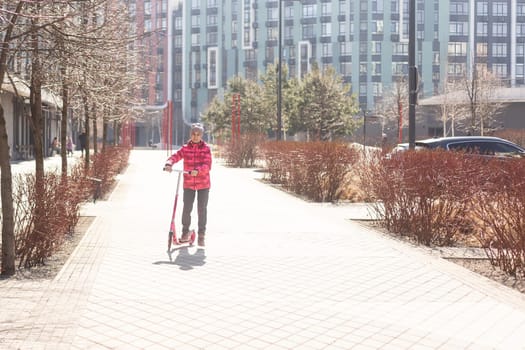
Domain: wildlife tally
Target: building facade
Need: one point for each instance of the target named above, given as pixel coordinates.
(366, 41)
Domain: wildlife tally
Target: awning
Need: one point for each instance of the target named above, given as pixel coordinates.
(21, 87)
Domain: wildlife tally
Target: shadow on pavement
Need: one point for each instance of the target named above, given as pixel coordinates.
(184, 259)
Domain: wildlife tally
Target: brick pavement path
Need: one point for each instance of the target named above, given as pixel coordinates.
(277, 273)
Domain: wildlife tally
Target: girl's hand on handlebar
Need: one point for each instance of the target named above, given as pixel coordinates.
(167, 168)
(194, 172)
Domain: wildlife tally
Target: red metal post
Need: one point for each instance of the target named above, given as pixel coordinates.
(239, 116)
(400, 137)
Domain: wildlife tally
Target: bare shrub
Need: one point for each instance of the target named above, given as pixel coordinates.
(316, 170)
(45, 213)
(422, 194)
(499, 213)
(244, 152)
(40, 228)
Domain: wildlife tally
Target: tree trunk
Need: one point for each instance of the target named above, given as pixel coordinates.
(95, 132)
(63, 123)
(35, 98)
(104, 134)
(86, 127)
(6, 181)
(8, 234)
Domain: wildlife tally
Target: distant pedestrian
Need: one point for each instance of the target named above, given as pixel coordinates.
(82, 138)
(55, 146)
(69, 146)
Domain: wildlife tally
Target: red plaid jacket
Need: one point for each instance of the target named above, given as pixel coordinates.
(196, 156)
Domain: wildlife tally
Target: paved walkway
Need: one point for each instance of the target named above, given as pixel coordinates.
(277, 273)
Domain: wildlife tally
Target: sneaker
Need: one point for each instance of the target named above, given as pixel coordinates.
(200, 241)
(185, 237)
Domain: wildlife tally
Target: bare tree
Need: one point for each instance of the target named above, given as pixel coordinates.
(6, 189)
(480, 89)
(452, 106)
(394, 106)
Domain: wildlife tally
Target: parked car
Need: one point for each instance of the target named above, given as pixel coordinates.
(485, 145)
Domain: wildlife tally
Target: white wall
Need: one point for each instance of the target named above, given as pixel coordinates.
(7, 103)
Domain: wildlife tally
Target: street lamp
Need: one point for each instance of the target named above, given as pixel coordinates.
(279, 78)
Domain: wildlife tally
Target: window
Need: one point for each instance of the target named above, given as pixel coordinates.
(520, 50)
(377, 89)
(458, 7)
(499, 70)
(178, 23)
(273, 14)
(288, 32)
(345, 48)
(376, 68)
(456, 69)
(520, 29)
(482, 28)
(459, 28)
(342, 7)
(195, 4)
(326, 9)
(212, 38)
(195, 39)
(271, 33)
(213, 68)
(400, 48)
(363, 6)
(308, 31)
(346, 68)
(212, 3)
(342, 28)
(481, 49)
(309, 11)
(499, 29)
(178, 41)
(377, 6)
(435, 57)
(377, 27)
(519, 70)
(289, 52)
(327, 50)
(288, 12)
(499, 8)
(457, 49)
(499, 49)
(362, 89)
(363, 68)
(520, 9)
(482, 8)
(399, 68)
(363, 47)
(376, 48)
(326, 28)
(211, 20)
(195, 21)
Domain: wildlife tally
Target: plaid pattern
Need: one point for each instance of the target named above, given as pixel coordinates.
(196, 156)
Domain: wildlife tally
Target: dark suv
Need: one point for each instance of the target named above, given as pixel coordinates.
(485, 145)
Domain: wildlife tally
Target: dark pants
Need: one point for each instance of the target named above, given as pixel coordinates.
(202, 204)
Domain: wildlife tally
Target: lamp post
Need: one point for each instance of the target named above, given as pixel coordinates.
(412, 74)
(279, 78)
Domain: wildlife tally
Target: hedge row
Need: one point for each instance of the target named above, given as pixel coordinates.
(41, 229)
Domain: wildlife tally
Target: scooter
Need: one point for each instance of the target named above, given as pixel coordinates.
(172, 236)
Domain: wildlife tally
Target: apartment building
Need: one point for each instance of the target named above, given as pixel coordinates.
(366, 41)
